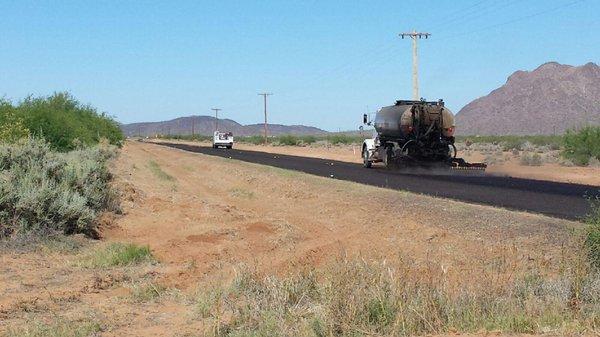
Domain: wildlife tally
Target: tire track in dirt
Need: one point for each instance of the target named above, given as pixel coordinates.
(562, 200)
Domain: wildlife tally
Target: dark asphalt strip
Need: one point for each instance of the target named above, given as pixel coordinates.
(561, 200)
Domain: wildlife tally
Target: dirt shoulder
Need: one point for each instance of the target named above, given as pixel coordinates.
(203, 217)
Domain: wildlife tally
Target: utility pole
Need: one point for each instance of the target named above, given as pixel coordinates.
(216, 110)
(414, 35)
(264, 95)
(192, 127)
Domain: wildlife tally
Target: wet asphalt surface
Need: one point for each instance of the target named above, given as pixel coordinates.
(562, 200)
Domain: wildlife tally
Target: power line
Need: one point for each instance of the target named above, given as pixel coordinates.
(461, 13)
(522, 18)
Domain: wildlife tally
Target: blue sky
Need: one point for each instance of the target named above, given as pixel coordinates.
(325, 61)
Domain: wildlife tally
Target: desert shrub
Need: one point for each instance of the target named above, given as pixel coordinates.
(341, 138)
(513, 144)
(592, 237)
(594, 162)
(42, 190)
(531, 159)
(63, 121)
(309, 139)
(580, 146)
(117, 254)
(255, 140)
(289, 140)
(12, 127)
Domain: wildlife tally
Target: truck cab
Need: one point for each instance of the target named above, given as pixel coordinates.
(222, 139)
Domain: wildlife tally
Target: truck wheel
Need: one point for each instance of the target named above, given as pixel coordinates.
(366, 162)
(229, 147)
(387, 158)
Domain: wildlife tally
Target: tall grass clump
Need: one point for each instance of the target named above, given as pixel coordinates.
(356, 297)
(42, 190)
(62, 121)
(583, 145)
(117, 254)
(592, 237)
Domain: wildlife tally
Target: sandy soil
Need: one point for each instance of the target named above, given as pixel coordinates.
(511, 167)
(217, 214)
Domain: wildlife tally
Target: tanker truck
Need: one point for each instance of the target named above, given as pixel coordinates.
(414, 134)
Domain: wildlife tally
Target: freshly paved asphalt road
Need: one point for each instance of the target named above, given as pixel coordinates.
(561, 200)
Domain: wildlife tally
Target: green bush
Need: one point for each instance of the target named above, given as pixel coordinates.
(255, 140)
(43, 190)
(341, 138)
(580, 146)
(309, 139)
(63, 121)
(117, 254)
(289, 140)
(12, 127)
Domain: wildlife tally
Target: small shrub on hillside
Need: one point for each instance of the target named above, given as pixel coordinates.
(117, 254)
(581, 146)
(42, 190)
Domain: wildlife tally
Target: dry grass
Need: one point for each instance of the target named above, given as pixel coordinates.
(58, 328)
(158, 171)
(357, 297)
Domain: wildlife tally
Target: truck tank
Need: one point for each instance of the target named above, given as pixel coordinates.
(397, 121)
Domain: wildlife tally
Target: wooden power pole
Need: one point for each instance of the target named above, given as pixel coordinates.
(414, 35)
(216, 110)
(265, 95)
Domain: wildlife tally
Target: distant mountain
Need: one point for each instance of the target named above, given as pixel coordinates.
(205, 125)
(550, 99)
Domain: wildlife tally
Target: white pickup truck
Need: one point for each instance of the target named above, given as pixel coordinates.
(222, 139)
